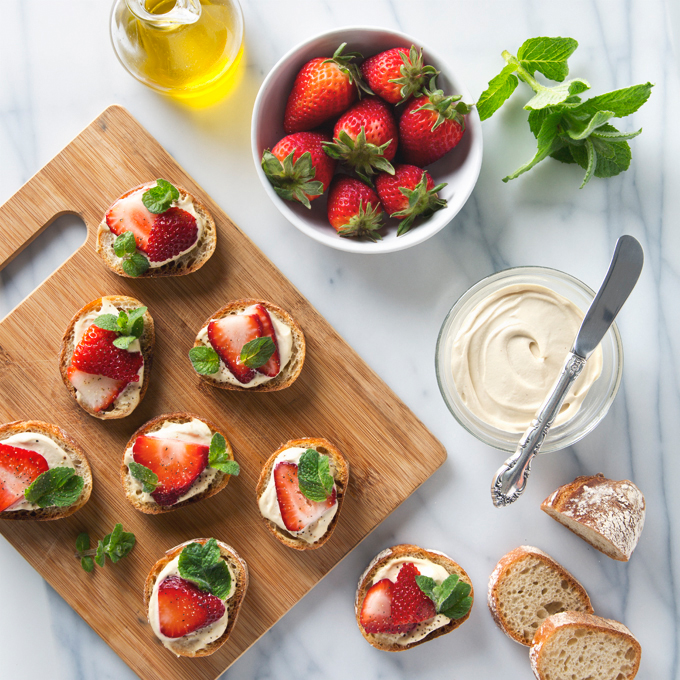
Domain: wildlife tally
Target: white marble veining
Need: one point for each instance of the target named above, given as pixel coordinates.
(59, 72)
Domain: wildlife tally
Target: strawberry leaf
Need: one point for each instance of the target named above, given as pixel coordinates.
(204, 360)
(257, 352)
(59, 486)
(204, 566)
(147, 477)
(218, 457)
(314, 476)
(159, 198)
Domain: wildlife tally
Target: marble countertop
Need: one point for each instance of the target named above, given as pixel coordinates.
(60, 72)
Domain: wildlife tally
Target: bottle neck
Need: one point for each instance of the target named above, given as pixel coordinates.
(181, 12)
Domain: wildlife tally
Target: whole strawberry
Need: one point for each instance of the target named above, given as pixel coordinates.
(408, 194)
(397, 74)
(431, 126)
(323, 89)
(366, 137)
(298, 167)
(354, 209)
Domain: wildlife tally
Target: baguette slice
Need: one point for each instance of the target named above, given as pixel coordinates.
(607, 514)
(80, 463)
(381, 640)
(233, 604)
(341, 477)
(185, 264)
(151, 507)
(288, 374)
(121, 407)
(578, 646)
(526, 587)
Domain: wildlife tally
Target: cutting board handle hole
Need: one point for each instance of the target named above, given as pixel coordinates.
(43, 256)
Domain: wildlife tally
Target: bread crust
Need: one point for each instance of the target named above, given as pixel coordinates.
(581, 621)
(288, 375)
(152, 508)
(240, 569)
(78, 457)
(341, 478)
(147, 343)
(501, 571)
(408, 550)
(616, 517)
(186, 264)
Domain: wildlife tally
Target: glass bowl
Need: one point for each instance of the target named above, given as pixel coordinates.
(599, 397)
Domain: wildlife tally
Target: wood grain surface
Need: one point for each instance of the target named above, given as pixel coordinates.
(337, 397)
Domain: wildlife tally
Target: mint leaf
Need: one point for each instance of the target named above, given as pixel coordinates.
(563, 155)
(450, 598)
(159, 198)
(147, 477)
(620, 102)
(600, 118)
(428, 586)
(83, 542)
(314, 476)
(135, 265)
(547, 55)
(204, 566)
(87, 563)
(551, 96)
(124, 341)
(100, 557)
(257, 352)
(117, 544)
(204, 360)
(59, 486)
(498, 91)
(108, 322)
(125, 244)
(218, 457)
(134, 316)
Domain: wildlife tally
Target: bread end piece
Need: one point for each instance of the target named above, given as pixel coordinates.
(519, 605)
(240, 569)
(408, 550)
(341, 478)
(80, 462)
(608, 514)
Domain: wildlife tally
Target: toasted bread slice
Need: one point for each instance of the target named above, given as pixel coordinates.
(341, 476)
(123, 406)
(185, 264)
(288, 373)
(609, 515)
(77, 455)
(233, 604)
(581, 646)
(384, 641)
(526, 587)
(151, 507)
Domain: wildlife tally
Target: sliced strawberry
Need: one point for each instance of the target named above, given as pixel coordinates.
(184, 608)
(177, 464)
(409, 602)
(128, 213)
(97, 392)
(227, 337)
(97, 354)
(376, 610)
(297, 511)
(273, 366)
(173, 232)
(18, 469)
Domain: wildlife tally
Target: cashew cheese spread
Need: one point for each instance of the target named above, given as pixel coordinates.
(509, 351)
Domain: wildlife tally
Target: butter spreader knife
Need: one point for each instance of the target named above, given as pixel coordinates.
(624, 271)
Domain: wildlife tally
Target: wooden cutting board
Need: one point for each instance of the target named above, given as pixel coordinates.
(337, 396)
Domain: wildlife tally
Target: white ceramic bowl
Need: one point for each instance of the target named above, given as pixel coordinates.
(459, 168)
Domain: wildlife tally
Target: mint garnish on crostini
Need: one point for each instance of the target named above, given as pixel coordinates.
(204, 360)
(115, 545)
(130, 325)
(134, 263)
(314, 476)
(59, 486)
(451, 598)
(203, 565)
(257, 352)
(147, 477)
(159, 198)
(218, 458)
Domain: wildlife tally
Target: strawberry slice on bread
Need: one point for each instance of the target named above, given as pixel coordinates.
(229, 335)
(376, 610)
(19, 468)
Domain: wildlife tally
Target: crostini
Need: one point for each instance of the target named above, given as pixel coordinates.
(408, 596)
(175, 460)
(44, 474)
(249, 345)
(156, 229)
(301, 490)
(106, 356)
(193, 596)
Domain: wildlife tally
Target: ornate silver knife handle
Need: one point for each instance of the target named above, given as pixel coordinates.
(511, 478)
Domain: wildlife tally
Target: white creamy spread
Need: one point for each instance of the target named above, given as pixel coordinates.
(269, 504)
(436, 572)
(183, 203)
(199, 638)
(284, 340)
(193, 432)
(509, 351)
(54, 455)
(131, 392)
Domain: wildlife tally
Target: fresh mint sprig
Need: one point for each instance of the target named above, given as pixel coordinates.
(130, 325)
(203, 565)
(314, 476)
(218, 457)
(159, 198)
(115, 546)
(257, 352)
(147, 477)
(58, 486)
(204, 360)
(451, 597)
(134, 263)
(566, 128)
